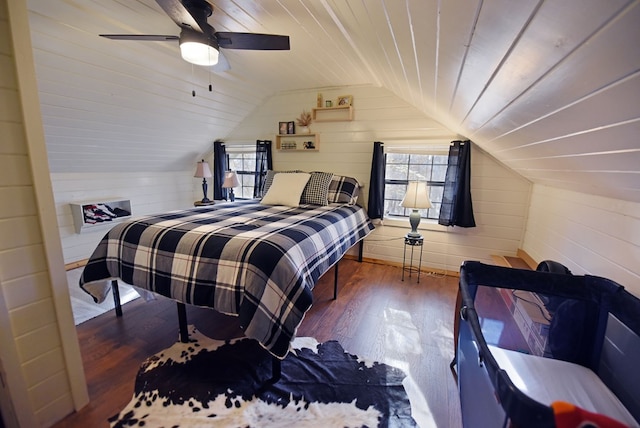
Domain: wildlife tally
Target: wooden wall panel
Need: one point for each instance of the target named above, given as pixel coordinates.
(34, 346)
(149, 193)
(501, 197)
(589, 234)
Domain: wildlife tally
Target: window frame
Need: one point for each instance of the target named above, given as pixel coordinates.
(436, 187)
(242, 174)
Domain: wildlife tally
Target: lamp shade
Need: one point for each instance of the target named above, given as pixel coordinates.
(202, 170)
(230, 180)
(417, 196)
(197, 48)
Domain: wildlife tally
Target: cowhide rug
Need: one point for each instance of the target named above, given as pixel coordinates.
(210, 382)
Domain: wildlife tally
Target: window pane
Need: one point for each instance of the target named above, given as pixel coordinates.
(402, 168)
(244, 164)
(397, 172)
(419, 173)
(395, 191)
(393, 208)
(397, 158)
(439, 172)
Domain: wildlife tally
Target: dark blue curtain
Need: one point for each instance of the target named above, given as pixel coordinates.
(457, 207)
(219, 168)
(376, 188)
(264, 162)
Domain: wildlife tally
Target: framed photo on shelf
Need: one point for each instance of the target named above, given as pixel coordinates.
(291, 127)
(345, 100)
(282, 128)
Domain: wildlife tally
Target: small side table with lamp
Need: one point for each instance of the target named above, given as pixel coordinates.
(230, 181)
(203, 171)
(416, 198)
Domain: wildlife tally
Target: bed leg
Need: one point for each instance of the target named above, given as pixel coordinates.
(182, 322)
(360, 250)
(335, 281)
(276, 370)
(116, 297)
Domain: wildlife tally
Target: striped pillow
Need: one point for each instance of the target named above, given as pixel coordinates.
(317, 189)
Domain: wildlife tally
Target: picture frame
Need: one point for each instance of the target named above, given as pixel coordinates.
(291, 127)
(345, 100)
(282, 127)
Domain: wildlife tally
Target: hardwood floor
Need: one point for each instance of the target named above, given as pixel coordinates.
(377, 316)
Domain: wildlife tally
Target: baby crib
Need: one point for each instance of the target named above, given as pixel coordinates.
(532, 342)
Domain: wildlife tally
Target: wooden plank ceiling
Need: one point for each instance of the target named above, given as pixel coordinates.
(548, 87)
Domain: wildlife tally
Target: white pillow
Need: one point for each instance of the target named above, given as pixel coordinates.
(286, 189)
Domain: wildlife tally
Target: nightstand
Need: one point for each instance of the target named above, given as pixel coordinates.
(202, 204)
(412, 243)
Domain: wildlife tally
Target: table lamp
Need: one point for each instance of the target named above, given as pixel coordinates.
(203, 171)
(417, 197)
(230, 181)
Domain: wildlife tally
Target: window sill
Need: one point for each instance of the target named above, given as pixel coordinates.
(403, 222)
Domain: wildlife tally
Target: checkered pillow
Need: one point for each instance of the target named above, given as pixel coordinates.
(343, 190)
(317, 189)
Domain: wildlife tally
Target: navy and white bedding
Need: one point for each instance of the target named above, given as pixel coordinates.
(258, 262)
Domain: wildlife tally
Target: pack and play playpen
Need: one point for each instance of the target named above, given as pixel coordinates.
(544, 348)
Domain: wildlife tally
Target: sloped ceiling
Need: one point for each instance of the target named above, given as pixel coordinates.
(549, 88)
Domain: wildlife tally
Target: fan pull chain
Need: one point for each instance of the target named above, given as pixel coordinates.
(193, 91)
(210, 86)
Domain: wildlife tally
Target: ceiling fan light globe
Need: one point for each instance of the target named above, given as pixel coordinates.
(199, 53)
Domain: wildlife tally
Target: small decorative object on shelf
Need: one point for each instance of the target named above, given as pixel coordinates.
(291, 127)
(298, 142)
(282, 127)
(345, 100)
(288, 145)
(96, 215)
(328, 103)
(304, 121)
(319, 100)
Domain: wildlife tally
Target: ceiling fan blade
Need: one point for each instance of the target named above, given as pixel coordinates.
(146, 37)
(253, 41)
(194, 17)
(222, 65)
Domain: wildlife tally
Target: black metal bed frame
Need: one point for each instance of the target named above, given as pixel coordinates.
(182, 314)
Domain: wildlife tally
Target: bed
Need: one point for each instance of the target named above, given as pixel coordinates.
(249, 259)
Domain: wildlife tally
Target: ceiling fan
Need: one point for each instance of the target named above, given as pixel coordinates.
(200, 42)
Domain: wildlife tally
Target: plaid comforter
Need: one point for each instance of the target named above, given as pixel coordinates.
(259, 262)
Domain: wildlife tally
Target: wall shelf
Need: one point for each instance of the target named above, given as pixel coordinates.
(298, 142)
(333, 114)
(87, 215)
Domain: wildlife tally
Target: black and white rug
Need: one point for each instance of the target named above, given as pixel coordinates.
(209, 382)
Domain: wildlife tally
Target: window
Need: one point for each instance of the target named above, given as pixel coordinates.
(242, 160)
(404, 167)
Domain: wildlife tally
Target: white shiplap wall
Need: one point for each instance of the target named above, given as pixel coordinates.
(501, 197)
(149, 193)
(589, 234)
(38, 345)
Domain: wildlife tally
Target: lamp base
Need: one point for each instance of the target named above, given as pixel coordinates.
(204, 191)
(232, 197)
(414, 221)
